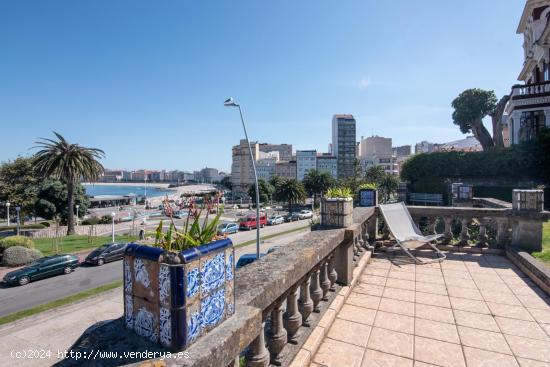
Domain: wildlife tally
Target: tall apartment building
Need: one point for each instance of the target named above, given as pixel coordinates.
(344, 144)
(207, 175)
(285, 150)
(402, 151)
(242, 172)
(306, 160)
(326, 162)
(266, 165)
(377, 151)
(286, 169)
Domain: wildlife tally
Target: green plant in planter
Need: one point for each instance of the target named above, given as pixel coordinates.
(369, 186)
(193, 234)
(338, 193)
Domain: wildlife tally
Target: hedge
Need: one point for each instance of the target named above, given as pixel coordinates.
(22, 241)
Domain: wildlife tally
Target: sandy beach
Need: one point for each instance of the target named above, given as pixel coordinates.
(149, 184)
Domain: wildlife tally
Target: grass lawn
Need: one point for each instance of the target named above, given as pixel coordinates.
(75, 243)
(544, 255)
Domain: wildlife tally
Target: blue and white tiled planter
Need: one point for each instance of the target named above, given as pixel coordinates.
(174, 305)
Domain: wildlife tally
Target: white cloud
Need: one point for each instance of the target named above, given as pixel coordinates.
(365, 83)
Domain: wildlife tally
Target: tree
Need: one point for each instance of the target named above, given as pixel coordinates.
(471, 107)
(375, 174)
(353, 182)
(291, 191)
(265, 188)
(18, 185)
(317, 183)
(69, 163)
(387, 186)
(52, 200)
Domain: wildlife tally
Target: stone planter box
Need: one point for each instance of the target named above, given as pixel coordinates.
(174, 305)
(532, 200)
(337, 212)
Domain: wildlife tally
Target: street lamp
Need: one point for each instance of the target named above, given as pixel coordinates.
(113, 214)
(17, 210)
(8, 211)
(231, 103)
(77, 206)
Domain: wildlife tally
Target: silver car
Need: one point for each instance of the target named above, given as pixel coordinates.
(305, 214)
(274, 220)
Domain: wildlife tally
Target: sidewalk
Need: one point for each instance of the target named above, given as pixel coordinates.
(56, 330)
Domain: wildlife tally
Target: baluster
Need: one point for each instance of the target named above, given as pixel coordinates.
(332, 274)
(464, 236)
(482, 239)
(502, 232)
(293, 318)
(277, 334)
(325, 282)
(257, 355)
(448, 234)
(305, 303)
(315, 291)
(355, 250)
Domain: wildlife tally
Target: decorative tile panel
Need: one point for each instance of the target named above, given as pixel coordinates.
(213, 308)
(212, 273)
(164, 284)
(165, 327)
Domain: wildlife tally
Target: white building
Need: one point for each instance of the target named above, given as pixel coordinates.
(423, 147)
(306, 160)
(377, 151)
(529, 107)
(326, 162)
(266, 165)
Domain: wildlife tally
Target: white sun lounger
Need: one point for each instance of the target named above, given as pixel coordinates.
(406, 233)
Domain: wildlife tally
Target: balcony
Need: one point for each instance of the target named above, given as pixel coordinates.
(530, 90)
(331, 299)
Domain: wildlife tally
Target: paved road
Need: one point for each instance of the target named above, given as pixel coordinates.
(13, 299)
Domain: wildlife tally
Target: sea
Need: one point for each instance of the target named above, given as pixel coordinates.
(94, 190)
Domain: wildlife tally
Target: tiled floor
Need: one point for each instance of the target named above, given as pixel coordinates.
(471, 310)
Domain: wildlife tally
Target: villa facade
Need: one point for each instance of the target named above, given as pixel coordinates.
(529, 107)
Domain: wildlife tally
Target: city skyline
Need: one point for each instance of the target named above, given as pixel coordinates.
(145, 88)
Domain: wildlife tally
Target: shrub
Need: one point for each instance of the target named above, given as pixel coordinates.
(19, 255)
(16, 241)
(338, 192)
(106, 219)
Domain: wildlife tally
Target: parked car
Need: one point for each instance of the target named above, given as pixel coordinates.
(106, 253)
(180, 214)
(274, 220)
(247, 259)
(292, 217)
(305, 214)
(228, 228)
(42, 268)
(249, 222)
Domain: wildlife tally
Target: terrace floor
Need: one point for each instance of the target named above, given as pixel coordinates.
(470, 310)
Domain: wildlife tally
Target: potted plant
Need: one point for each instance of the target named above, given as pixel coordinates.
(337, 208)
(180, 288)
(368, 194)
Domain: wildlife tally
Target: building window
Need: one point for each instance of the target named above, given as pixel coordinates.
(530, 124)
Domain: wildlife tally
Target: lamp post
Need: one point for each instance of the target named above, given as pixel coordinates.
(17, 210)
(231, 103)
(77, 206)
(113, 214)
(145, 192)
(8, 211)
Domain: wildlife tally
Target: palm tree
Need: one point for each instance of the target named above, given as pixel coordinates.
(316, 183)
(68, 163)
(388, 185)
(375, 174)
(290, 190)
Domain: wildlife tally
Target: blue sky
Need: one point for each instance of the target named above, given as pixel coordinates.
(146, 80)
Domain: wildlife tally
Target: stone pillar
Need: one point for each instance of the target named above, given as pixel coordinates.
(527, 234)
(315, 290)
(332, 275)
(277, 334)
(257, 355)
(343, 261)
(502, 232)
(464, 236)
(448, 234)
(305, 304)
(293, 318)
(325, 282)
